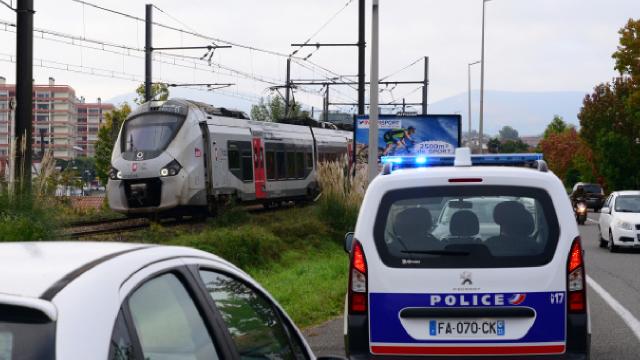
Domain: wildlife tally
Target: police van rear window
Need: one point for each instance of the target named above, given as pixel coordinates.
(466, 227)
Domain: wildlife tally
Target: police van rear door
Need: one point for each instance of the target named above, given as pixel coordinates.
(467, 270)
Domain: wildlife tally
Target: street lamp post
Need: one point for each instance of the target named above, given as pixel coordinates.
(469, 94)
(480, 128)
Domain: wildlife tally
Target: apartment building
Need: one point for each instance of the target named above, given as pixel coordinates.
(90, 117)
(61, 122)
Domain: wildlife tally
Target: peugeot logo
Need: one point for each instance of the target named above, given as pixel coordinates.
(140, 155)
(466, 278)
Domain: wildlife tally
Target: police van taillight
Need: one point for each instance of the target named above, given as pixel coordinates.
(357, 280)
(576, 288)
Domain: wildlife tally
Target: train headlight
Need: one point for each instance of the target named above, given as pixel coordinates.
(172, 169)
(115, 174)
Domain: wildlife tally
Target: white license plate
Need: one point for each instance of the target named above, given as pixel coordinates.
(467, 328)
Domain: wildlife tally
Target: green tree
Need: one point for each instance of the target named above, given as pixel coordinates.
(557, 126)
(508, 133)
(610, 124)
(159, 91)
(513, 146)
(493, 145)
(273, 109)
(627, 56)
(107, 135)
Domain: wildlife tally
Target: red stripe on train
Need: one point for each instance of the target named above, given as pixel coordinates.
(469, 350)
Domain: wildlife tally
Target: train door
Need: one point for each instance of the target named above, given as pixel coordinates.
(258, 168)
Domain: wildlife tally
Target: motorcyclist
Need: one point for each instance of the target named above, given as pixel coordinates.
(577, 195)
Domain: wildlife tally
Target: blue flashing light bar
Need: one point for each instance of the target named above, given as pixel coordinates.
(448, 160)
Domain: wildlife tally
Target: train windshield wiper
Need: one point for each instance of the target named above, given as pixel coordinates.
(437, 252)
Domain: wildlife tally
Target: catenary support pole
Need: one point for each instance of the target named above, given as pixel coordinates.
(24, 96)
(425, 86)
(287, 89)
(148, 52)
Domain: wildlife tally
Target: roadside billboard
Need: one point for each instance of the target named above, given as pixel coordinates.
(409, 135)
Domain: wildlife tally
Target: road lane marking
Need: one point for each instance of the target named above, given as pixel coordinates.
(625, 314)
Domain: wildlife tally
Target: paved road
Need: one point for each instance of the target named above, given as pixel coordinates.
(613, 316)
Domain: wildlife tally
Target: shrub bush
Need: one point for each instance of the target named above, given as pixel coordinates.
(25, 220)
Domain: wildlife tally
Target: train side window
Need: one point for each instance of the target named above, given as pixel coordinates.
(309, 160)
(271, 165)
(234, 157)
(240, 159)
(300, 165)
(291, 165)
(247, 165)
(281, 165)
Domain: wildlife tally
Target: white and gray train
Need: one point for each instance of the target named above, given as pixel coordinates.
(185, 156)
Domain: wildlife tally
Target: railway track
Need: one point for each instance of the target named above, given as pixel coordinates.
(102, 227)
(82, 229)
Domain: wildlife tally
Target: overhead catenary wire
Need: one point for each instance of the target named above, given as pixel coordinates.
(326, 23)
(7, 5)
(209, 38)
(113, 74)
(402, 69)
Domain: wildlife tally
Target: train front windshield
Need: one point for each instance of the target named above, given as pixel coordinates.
(150, 133)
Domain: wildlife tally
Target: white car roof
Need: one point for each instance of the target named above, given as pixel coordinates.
(628, 192)
(30, 268)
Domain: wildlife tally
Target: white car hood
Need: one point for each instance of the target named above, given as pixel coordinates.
(633, 218)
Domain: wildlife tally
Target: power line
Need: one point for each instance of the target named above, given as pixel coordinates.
(107, 73)
(79, 41)
(7, 5)
(403, 69)
(322, 28)
(202, 36)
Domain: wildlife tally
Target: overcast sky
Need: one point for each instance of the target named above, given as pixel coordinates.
(542, 45)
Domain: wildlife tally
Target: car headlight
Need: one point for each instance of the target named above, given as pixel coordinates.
(582, 207)
(171, 169)
(624, 225)
(115, 174)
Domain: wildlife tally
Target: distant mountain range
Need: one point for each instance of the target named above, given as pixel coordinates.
(527, 112)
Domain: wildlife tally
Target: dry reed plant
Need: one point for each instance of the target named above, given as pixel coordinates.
(342, 192)
(45, 180)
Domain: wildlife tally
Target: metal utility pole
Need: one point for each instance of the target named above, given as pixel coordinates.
(24, 94)
(480, 128)
(288, 89)
(325, 110)
(373, 94)
(361, 55)
(425, 86)
(469, 93)
(148, 51)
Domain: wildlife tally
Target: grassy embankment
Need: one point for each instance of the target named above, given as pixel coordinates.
(296, 253)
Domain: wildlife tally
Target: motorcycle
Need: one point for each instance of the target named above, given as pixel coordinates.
(580, 210)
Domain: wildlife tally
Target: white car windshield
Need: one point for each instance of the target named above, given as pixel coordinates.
(628, 203)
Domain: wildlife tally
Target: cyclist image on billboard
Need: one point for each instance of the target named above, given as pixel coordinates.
(396, 139)
(398, 135)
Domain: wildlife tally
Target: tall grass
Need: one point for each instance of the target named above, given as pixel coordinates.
(29, 216)
(342, 194)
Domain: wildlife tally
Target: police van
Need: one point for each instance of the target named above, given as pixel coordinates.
(466, 256)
